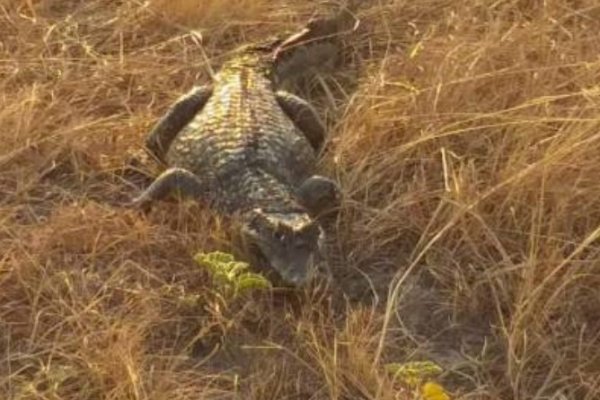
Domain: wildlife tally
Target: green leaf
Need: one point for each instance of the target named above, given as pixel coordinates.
(229, 275)
(249, 280)
(214, 258)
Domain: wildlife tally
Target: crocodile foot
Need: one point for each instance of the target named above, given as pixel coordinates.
(173, 180)
(320, 195)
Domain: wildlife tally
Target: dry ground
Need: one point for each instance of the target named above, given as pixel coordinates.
(466, 135)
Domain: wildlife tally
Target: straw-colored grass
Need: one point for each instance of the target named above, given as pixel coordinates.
(465, 134)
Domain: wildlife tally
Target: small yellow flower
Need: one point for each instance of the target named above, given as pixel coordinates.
(433, 391)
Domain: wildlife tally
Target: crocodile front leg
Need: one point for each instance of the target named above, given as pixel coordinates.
(319, 194)
(173, 179)
(178, 116)
(304, 117)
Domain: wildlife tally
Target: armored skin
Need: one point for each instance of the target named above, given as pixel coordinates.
(244, 147)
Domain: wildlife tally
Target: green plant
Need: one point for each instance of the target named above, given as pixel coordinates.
(229, 275)
(417, 375)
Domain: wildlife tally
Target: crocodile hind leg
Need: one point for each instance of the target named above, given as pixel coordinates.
(179, 115)
(172, 180)
(319, 194)
(304, 117)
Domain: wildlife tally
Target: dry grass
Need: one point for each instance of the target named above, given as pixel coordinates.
(467, 145)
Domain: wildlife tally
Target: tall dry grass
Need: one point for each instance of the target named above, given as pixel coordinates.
(465, 135)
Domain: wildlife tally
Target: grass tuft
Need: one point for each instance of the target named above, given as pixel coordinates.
(465, 135)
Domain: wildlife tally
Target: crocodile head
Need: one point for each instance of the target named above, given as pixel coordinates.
(288, 241)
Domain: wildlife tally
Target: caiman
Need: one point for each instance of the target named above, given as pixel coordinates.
(245, 147)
